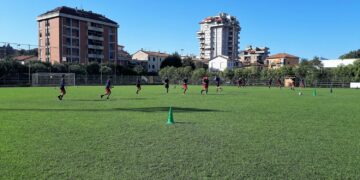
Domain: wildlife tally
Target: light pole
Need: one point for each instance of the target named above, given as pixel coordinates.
(29, 69)
(101, 74)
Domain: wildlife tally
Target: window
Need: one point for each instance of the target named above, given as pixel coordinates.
(75, 52)
(47, 59)
(153, 66)
(68, 51)
(111, 47)
(67, 21)
(67, 31)
(112, 38)
(111, 55)
(47, 42)
(75, 42)
(68, 41)
(112, 30)
(47, 23)
(47, 51)
(75, 32)
(154, 59)
(75, 23)
(149, 59)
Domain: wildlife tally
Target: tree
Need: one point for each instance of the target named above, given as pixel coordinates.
(198, 74)
(106, 70)
(93, 68)
(200, 64)
(351, 55)
(58, 68)
(173, 60)
(139, 69)
(188, 62)
(38, 67)
(227, 75)
(77, 69)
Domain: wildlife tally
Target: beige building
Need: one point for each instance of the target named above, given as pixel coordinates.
(282, 59)
(254, 56)
(76, 36)
(154, 59)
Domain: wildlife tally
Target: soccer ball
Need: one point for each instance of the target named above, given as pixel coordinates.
(300, 93)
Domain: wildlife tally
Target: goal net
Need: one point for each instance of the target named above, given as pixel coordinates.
(52, 79)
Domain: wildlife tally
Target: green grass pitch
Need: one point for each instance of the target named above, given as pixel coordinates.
(241, 133)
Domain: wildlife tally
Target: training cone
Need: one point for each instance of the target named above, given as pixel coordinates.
(314, 92)
(170, 117)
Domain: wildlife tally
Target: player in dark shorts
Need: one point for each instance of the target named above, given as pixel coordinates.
(218, 81)
(302, 83)
(62, 87)
(166, 83)
(205, 83)
(107, 89)
(138, 85)
(239, 82)
(270, 82)
(185, 85)
(279, 82)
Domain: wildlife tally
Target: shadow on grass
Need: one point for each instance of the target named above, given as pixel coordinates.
(147, 110)
(104, 99)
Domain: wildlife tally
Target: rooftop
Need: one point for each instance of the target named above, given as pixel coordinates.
(80, 13)
(152, 53)
(282, 55)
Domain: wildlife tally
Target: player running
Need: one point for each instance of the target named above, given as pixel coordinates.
(166, 83)
(279, 82)
(205, 83)
(218, 81)
(270, 82)
(107, 89)
(239, 82)
(185, 85)
(62, 87)
(138, 85)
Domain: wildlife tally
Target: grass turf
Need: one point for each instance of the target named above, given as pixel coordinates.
(240, 133)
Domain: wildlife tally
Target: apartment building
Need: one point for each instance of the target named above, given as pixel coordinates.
(154, 59)
(76, 36)
(219, 35)
(254, 56)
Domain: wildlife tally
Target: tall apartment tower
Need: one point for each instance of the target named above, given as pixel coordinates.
(219, 35)
(76, 36)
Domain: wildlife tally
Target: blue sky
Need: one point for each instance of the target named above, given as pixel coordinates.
(305, 28)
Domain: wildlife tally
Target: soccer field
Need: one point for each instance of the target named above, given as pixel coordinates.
(240, 133)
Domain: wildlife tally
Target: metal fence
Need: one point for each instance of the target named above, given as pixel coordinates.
(21, 80)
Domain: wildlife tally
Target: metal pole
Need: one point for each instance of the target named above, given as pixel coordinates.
(101, 75)
(29, 69)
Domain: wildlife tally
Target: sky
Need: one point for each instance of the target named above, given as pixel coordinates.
(305, 28)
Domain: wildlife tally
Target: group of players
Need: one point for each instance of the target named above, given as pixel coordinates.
(241, 82)
(108, 86)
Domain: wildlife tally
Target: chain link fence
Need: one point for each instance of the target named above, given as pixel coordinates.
(23, 80)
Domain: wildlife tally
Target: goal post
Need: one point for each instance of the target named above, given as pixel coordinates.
(52, 79)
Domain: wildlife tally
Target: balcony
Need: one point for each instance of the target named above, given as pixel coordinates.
(96, 38)
(95, 28)
(99, 56)
(95, 47)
